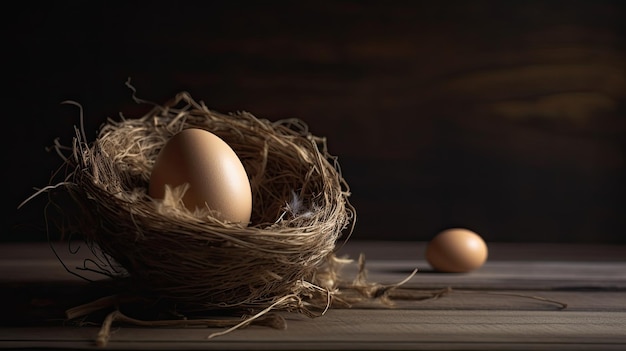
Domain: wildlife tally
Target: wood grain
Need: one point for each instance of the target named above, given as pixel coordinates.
(511, 303)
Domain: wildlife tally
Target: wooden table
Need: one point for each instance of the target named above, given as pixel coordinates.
(513, 302)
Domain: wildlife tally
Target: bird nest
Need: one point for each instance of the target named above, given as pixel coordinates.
(198, 262)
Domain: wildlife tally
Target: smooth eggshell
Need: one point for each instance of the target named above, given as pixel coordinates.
(217, 179)
(456, 250)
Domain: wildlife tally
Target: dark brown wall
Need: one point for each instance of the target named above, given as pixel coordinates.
(507, 117)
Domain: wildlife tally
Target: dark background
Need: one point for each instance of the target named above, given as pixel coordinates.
(506, 117)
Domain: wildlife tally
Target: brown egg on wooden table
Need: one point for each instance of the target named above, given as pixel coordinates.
(216, 177)
(456, 250)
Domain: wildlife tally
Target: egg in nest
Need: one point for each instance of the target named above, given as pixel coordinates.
(216, 178)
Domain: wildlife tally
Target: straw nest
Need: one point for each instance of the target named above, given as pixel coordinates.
(282, 259)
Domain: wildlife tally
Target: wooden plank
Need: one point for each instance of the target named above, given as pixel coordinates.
(498, 251)
(364, 329)
(522, 261)
(522, 275)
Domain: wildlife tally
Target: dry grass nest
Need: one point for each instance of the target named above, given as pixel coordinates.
(282, 259)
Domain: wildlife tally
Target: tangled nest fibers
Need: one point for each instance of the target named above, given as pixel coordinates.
(284, 260)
